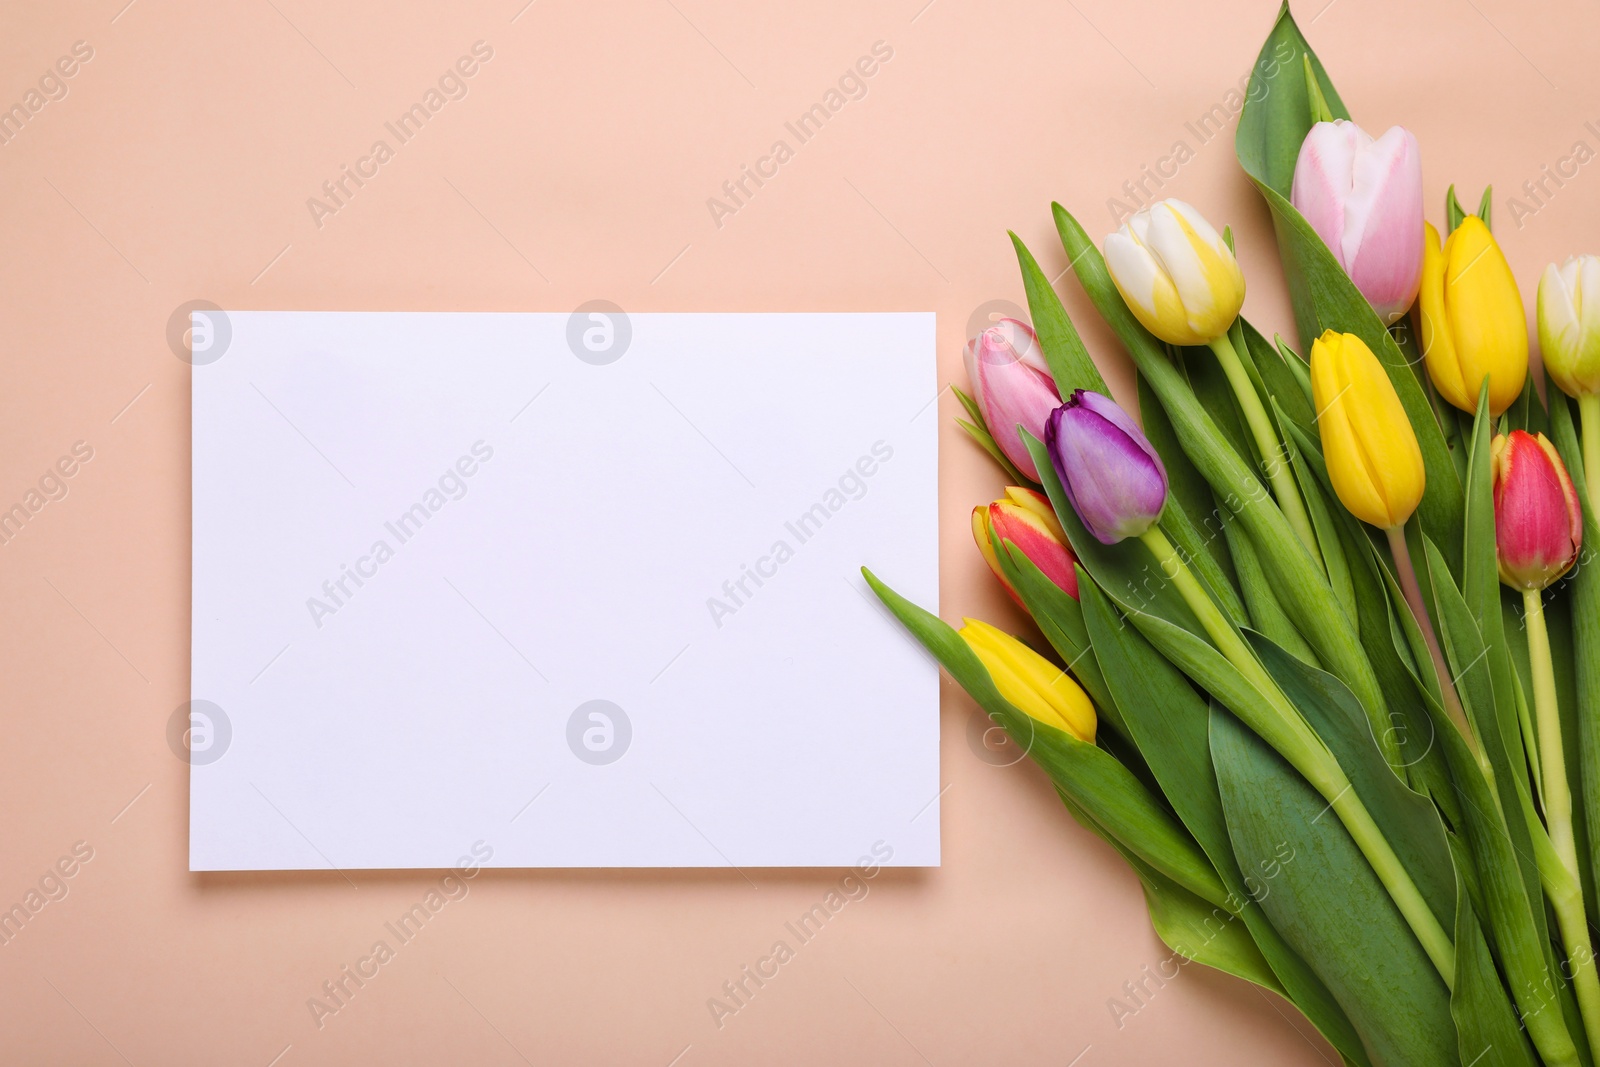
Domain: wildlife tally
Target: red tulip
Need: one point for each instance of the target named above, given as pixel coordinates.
(1024, 517)
(1538, 522)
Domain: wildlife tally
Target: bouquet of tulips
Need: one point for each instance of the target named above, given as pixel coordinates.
(1315, 651)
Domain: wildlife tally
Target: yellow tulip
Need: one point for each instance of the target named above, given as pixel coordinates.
(1473, 325)
(1371, 451)
(1030, 682)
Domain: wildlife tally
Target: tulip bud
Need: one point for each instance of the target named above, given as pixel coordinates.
(1176, 273)
(1569, 324)
(1371, 451)
(1024, 517)
(1364, 199)
(1030, 682)
(1538, 522)
(1012, 386)
(1109, 470)
(1473, 326)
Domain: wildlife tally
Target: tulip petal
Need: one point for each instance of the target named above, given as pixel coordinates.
(1322, 179)
(980, 537)
(1569, 324)
(1203, 284)
(1145, 288)
(1438, 348)
(1032, 683)
(1009, 390)
(1026, 344)
(969, 359)
(1537, 517)
(1013, 687)
(1387, 441)
(1039, 504)
(1117, 416)
(1034, 539)
(1112, 477)
(1382, 242)
(1372, 454)
(1176, 273)
(1484, 311)
(1588, 281)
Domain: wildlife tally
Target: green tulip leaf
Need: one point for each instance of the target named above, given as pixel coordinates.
(1387, 650)
(1266, 613)
(1281, 379)
(1501, 847)
(1272, 126)
(979, 433)
(1277, 110)
(1063, 349)
(1210, 384)
(1488, 1033)
(1168, 721)
(1322, 506)
(1318, 103)
(1127, 570)
(1297, 366)
(978, 430)
(1202, 932)
(1585, 607)
(1407, 819)
(1454, 213)
(1329, 905)
(1099, 784)
(1491, 687)
(1202, 518)
(1192, 928)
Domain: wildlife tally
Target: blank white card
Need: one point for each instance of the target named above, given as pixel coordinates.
(561, 590)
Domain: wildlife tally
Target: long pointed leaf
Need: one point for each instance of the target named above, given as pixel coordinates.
(1096, 782)
(1271, 128)
(1487, 1028)
(1169, 720)
(1329, 905)
(1064, 352)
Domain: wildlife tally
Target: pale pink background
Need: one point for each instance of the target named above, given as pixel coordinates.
(178, 168)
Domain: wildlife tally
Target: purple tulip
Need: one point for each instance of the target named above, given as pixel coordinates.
(1013, 387)
(1112, 476)
(1364, 199)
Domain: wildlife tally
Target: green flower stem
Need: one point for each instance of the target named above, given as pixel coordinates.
(1589, 413)
(1287, 732)
(1407, 573)
(1563, 885)
(1273, 460)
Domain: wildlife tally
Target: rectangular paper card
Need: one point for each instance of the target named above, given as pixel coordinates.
(557, 590)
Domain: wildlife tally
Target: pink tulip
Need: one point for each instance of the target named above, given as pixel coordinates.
(1364, 199)
(1012, 386)
(1538, 522)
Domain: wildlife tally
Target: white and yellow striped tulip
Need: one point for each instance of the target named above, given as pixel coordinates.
(1176, 273)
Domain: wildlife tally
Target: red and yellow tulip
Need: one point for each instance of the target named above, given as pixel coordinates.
(1538, 522)
(1024, 518)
